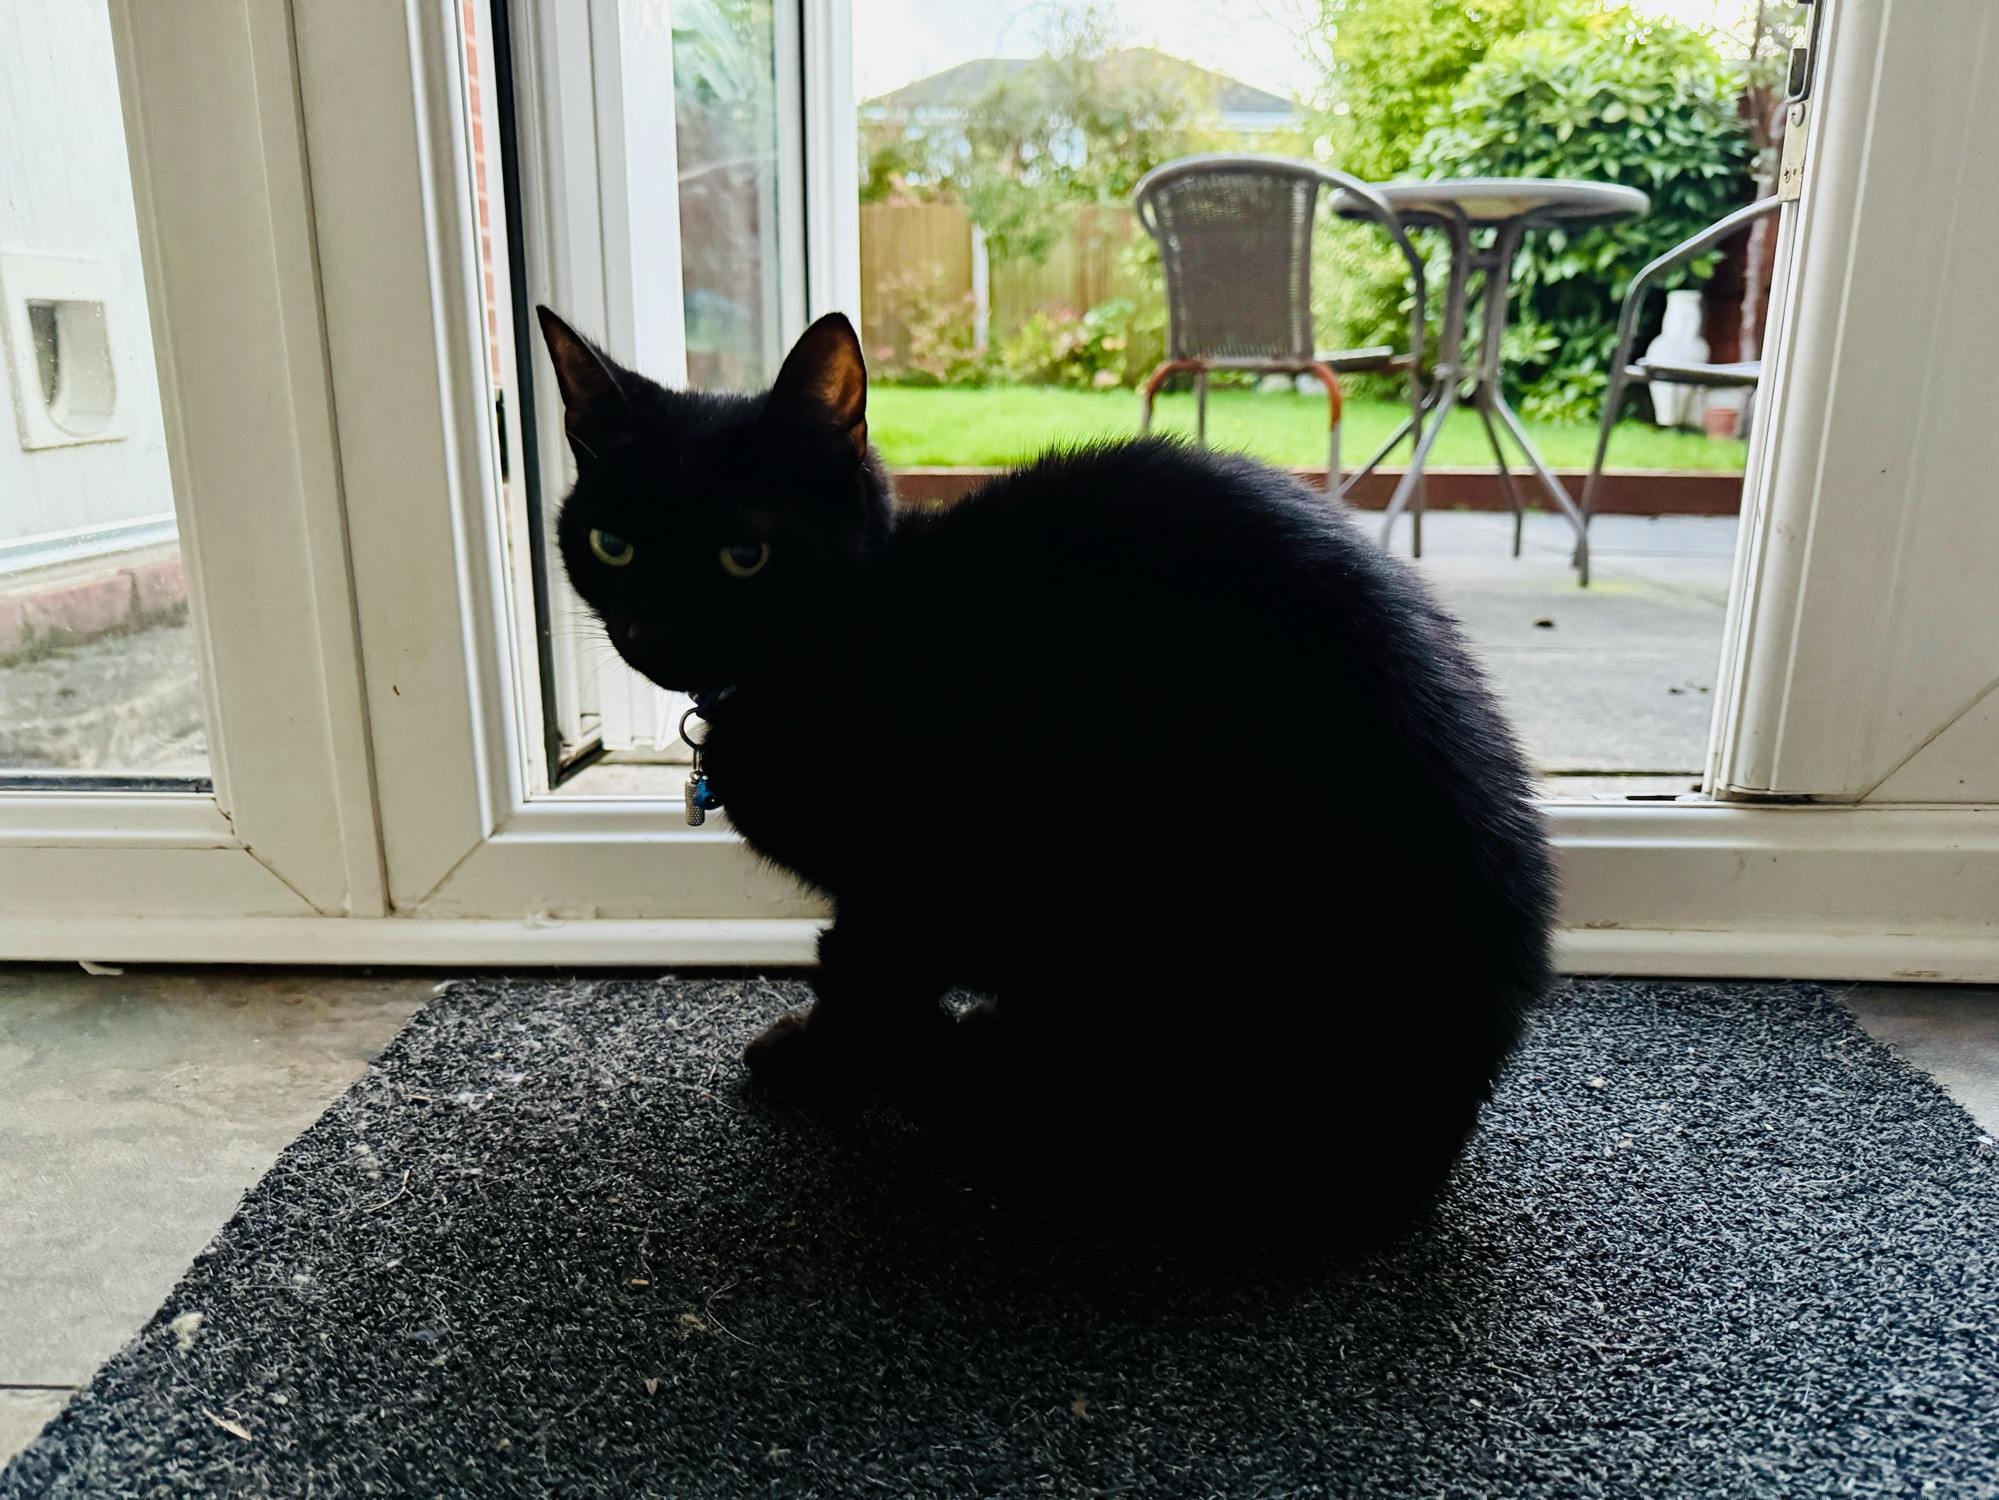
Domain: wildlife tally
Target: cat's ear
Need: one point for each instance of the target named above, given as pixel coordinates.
(825, 379)
(593, 401)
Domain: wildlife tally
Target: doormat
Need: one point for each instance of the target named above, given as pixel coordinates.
(1710, 1239)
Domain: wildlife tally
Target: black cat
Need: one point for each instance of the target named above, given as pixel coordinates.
(1147, 745)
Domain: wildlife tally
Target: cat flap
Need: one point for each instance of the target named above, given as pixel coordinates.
(591, 395)
(824, 377)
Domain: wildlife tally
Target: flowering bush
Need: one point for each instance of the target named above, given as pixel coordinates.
(1086, 351)
(942, 346)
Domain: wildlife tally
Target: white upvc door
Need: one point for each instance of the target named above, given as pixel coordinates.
(290, 831)
(344, 408)
(1854, 765)
(1868, 662)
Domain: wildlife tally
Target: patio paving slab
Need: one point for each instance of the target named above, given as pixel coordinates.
(128, 701)
(1618, 677)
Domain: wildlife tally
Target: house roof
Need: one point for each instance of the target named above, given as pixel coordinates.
(955, 90)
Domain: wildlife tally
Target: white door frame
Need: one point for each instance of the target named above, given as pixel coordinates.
(378, 508)
(224, 209)
(1868, 658)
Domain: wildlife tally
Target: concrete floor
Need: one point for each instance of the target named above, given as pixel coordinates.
(128, 701)
(136, 1109)
(134, 1112)
(1615, 678)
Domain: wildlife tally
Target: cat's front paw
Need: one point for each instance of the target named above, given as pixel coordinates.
(790, 1060)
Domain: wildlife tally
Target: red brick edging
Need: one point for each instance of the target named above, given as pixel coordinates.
(1629, 492)
(67, 613)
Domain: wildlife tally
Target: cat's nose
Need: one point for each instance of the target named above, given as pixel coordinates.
(634, 631)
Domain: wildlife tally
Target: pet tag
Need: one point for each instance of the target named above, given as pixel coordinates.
(700, 798)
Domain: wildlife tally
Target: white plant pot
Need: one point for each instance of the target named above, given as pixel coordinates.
(1680, 343)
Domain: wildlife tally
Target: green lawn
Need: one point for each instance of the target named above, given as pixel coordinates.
(1004, 424)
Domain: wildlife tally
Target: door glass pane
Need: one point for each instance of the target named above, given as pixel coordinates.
(725, 115)
(98, 676)
(1012, 301)
(555, 88)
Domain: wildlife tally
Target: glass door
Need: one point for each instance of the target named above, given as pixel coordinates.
(358, 451)
(652, 194)
(182, 742)
(656, 204)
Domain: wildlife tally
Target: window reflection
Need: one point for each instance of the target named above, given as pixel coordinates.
(725, 114)
(97, 660)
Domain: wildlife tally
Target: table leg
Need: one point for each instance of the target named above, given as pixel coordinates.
(1491, 398)
(1563, 503)
(1412, 477)
(1440, 398)
(1513, 499)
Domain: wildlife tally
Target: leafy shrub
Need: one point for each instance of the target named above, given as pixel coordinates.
(1092, 350)
(1389, 68)
(1604, 95)
(1086, 351)
(942, 347)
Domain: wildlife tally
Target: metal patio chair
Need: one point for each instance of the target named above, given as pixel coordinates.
(1741, 374)
(1235, 243)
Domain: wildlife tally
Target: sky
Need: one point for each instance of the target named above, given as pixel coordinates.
(896, 41)
(899, 40)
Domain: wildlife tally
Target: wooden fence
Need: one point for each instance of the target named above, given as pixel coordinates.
(911, 253)
(920, 256)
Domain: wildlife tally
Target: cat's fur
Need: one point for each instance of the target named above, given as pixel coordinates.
(1148, 745)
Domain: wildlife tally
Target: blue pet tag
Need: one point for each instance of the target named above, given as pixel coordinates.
(700, 796)
(701, 800)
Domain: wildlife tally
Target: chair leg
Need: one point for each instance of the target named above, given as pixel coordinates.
(1335, 409)
(1613, 398)
(1153, 384)
(1201, 407)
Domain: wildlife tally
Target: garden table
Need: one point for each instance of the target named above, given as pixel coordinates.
(1509, 207)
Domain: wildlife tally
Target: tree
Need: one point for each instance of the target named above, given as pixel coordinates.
(1606, 95)
(1388, 69)
(1082, 124)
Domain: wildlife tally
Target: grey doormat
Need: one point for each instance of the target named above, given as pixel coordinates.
(1710, 1240)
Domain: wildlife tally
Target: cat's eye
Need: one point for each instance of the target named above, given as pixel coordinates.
(612, 550)
(745, 558)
